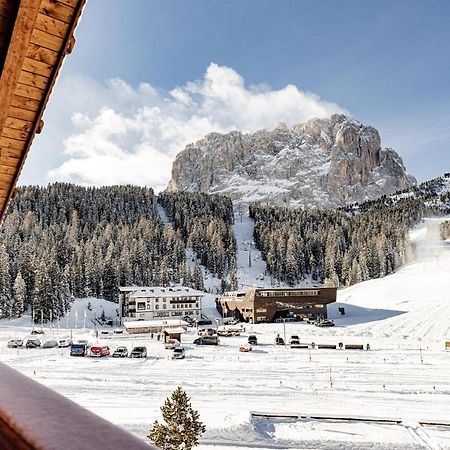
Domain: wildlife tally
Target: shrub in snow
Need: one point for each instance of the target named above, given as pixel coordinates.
(182, 428)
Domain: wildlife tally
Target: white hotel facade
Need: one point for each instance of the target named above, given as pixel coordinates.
(156, 303)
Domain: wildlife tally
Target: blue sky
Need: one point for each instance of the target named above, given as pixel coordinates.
(386, 62)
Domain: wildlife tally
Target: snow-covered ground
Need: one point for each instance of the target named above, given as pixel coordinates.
(405, 318)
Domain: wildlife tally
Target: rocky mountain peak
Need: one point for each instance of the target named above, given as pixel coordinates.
(322, 162)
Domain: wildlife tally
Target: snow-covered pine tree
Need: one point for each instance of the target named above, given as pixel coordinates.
(198, 278)
(182, 428)
(5, 283)
(19, 295)
(233, 280)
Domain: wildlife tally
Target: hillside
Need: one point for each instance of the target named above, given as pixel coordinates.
(414, 302)
(323, 162)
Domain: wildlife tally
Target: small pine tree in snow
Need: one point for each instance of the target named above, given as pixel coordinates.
(182, 428)
(89, 306)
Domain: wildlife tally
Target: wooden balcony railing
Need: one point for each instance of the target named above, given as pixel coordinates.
(33, 417)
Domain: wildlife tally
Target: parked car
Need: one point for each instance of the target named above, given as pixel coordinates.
(120, 352)
(206, 331)
(178, 353)
(295, 343)
(33, 332)
(14, 343)
(170, 344)
(202, 322)
(99, 351)
(225, 333)
(64, 342)
(139, 352)
(50, 343)
(233, 322)
(279, 340)
(33, 343)
(233, 330)
(207, 340)
(294, 337)
(79, 349)
(245, 348)
(104, 332)
(324, 323)
(118, 331)
(252, 340)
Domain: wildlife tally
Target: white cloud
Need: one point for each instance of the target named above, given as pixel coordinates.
(120, 134)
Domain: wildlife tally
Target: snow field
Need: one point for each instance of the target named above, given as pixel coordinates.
(405, 318)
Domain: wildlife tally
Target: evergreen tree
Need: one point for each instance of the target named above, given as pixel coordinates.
(20, 291)
(182, 428)
(198, 278)
(5, 284)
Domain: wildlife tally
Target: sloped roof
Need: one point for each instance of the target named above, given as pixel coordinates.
(35, 36)
(167, 324)
(158, 291)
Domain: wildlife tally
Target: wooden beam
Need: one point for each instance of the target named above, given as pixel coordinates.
(21, 35)
(50, 25)
(11, 143)
(23, 114)
(44, 55)
(46, 40)
(33, 79)
(18, 124)
(39, 67)
(6, 170)
(25, 103)
(29, 92)
(14, 134)
(33, 63)
(10, 153)
(57, 10)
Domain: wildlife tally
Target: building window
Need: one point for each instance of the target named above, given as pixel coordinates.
(141, 306)
(164, 306)
(156, 306)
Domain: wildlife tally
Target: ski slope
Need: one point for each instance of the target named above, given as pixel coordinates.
(405, 318)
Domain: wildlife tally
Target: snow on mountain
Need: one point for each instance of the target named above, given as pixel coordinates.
(323, 162)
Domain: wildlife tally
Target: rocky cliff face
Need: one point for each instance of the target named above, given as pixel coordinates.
(323, 162)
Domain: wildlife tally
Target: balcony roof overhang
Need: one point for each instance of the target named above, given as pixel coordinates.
(35, 37)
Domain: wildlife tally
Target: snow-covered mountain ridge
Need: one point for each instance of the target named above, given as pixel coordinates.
(322, 162)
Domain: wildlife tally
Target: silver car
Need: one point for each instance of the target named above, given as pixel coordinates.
(178, 353)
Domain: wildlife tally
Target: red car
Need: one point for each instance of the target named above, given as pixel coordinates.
(99, 350)
(245, 348)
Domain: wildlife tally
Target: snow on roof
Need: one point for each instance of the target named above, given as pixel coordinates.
(158, 291)
(169, 323)
(175, 330)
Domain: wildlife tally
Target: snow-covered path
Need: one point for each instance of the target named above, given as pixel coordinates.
(162, 215)
(250, 264)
